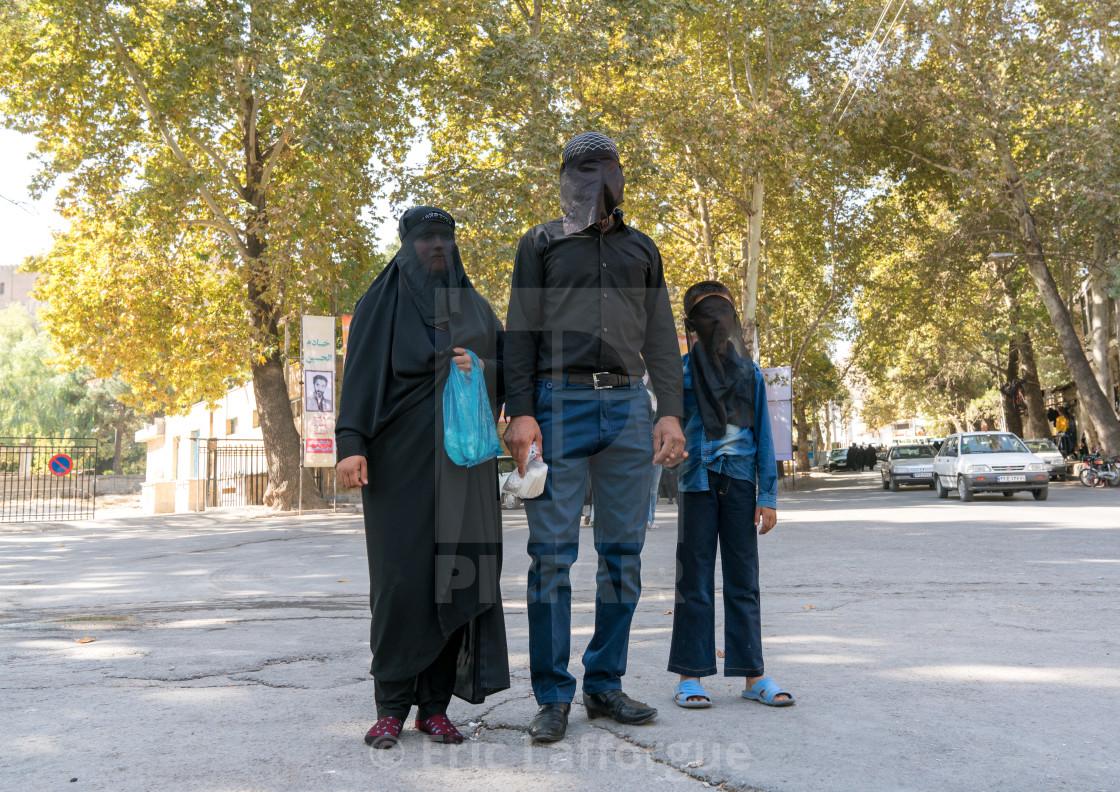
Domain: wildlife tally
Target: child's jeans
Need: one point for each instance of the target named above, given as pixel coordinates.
(724, 513)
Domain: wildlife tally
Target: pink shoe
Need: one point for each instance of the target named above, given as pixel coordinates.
(440, 729)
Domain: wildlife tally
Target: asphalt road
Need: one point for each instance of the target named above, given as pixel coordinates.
(932, 645)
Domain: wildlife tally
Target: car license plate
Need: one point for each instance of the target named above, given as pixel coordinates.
(922, 475)
(1010, 479)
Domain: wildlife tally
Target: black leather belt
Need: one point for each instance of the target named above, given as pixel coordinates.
(599, 380)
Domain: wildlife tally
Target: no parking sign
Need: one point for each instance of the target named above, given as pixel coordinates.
(61, 464)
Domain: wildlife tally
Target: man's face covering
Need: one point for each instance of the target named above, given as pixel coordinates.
(591, 181)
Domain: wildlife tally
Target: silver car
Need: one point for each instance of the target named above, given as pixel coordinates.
(1049, 453)
(907, 465)
(989, 462)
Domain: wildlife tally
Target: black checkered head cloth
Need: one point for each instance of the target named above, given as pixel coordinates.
(586, 145)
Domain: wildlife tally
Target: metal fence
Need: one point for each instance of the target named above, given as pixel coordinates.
(46, 479)
(229, 472)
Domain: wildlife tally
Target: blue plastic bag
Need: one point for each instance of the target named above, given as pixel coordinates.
(469, 434)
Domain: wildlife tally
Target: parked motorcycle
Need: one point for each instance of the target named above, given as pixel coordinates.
(1098, 471)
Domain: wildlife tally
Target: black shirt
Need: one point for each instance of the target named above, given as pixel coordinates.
(590, 302)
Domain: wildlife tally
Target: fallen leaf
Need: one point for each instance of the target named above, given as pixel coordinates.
(85, 639)
(809, 607)
(719, 653)
(668, 613)
(343, 580)
(60, 544)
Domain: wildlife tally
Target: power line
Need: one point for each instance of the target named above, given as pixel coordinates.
(878, 49)
(862, 55)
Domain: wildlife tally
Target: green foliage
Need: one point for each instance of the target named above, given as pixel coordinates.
(217, 164)
(37, 399)
(220, 160)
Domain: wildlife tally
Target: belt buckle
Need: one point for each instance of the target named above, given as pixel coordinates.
(595, 380)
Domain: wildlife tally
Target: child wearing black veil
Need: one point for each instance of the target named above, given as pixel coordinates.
(728, 494)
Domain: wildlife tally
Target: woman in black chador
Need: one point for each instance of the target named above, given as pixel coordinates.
(433, 529)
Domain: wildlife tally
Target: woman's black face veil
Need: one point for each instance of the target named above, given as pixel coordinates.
(722, 371)
(435, 280)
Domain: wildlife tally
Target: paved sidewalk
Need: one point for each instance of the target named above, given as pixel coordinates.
(932, 645)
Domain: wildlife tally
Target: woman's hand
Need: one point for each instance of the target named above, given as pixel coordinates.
(351, 472)
(462, 359)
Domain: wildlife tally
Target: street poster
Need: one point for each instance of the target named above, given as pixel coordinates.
(779, 401)
(317, 340)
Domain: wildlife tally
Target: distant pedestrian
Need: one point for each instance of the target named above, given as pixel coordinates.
(655, 477)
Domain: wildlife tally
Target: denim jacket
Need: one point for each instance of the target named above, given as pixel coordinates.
(740, 454)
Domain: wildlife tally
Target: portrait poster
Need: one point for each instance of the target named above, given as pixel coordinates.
(318, 391)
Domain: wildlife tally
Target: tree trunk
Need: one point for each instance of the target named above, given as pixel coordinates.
(752, 254)
(281, 439)
(1116, 316)
(802, 438)
(1090, 393)
(1097, 295)
(1037, 427)
(818, 440)
(118, 440)
(1010, 408)
(707, 254)
(274, 406)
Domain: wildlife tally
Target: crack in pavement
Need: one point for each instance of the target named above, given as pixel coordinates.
(325, 602)
(647, 749)
(227, 674)
(650, 749)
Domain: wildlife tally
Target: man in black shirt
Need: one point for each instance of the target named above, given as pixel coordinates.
(589, 314)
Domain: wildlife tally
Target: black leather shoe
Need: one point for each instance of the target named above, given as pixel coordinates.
(550, 722)
(617, 705)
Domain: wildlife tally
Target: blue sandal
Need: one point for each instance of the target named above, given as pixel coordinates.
(690, 687)
(765, 691)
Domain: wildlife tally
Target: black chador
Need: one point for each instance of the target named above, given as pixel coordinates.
(433, 529)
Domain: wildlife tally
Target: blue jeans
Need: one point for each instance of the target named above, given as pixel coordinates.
(724, 513)
(608, 433)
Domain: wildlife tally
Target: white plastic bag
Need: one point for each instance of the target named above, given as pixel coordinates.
(532, 484)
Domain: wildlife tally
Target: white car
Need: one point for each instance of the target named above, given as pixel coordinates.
(989, 462)
(907, 464)
(1049, 453)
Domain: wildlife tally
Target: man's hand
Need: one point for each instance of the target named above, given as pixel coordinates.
(668, 441)
(765, 518)
(463, 360)
(521, 433)
(351, 472)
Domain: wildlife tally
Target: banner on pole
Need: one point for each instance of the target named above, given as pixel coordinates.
(317, 345)
(779, 401)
